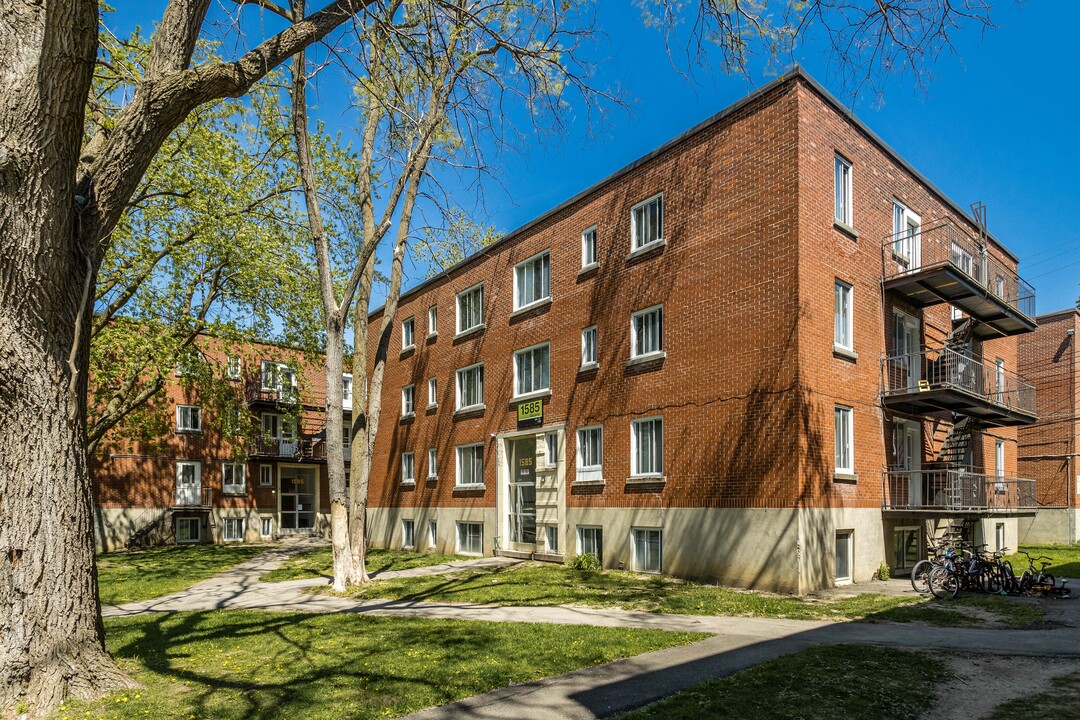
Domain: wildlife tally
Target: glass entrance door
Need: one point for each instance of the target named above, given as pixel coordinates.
(298, 498)
(522, 495)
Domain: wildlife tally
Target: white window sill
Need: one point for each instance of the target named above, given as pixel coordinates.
(844, 352)
(588, 366)
(432, 478)
(408, 415)
(844, 227)
(471, 331)
(586, 483)
(845, 475)
(471, 409)
(408, 348)
(471, 486)
(647, 357)
(546, 392)
(432, 406)
(542, 302)
(408, 482)
(646, 479)
(647, 248)
(588, 268)
(432, 336)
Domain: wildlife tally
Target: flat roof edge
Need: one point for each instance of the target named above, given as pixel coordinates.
(1055, 313)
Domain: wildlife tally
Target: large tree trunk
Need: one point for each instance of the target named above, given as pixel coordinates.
(51, 637)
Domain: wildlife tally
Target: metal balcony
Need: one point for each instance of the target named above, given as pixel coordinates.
(942, 263)
(956, 491)
(943, 379)
(261, 446)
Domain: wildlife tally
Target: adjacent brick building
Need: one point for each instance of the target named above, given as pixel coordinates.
(768, 354)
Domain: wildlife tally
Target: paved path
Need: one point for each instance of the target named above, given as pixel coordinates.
(735, 643)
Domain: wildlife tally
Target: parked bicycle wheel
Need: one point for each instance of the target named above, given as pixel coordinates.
(920, 576)
(944, 584)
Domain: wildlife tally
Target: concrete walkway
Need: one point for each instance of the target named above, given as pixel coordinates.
(735, 643)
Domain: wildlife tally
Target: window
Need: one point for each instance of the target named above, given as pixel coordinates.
(266, 476)
(647, 332)
(233, 368)
(905, 548)
(408, 467)
(647, 447)
(531, 370)
(842, 322)
(432, 321)
(907, 242)
(432, 533)
(407, 538)
(999, 536)
(647, 222)
(590, 453)
(232, 529)
(266, 526)
(999, 466)
(961, 257)
(532, 280)
(233, 477)
(432, 394)
(590, 540)
(188, 530)
(588, 247)
(647, 544)
(346, 440)
(470, 464)
(470, 538)
(278, 427)
(346, 392)
(470, 387)
(551, 534)
(999, 286)
(588, 347)
(999, 380)
(843, 431)
(407, 408)
(406, 334)
(470, 308)
(432, 469)
(188, 418)
(551, 449)
(842, 190)
(843, 557)
(280, 378)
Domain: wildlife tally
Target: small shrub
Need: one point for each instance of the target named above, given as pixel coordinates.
(587, 561)
(883, 572)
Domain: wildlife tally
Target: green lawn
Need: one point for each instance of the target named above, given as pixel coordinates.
(228, 665)
(319, 563)
(144, 574)
(827, 682)
(1065, 559)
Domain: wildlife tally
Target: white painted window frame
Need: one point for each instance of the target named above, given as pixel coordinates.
(467, 293)
(657, 451)
(524, 267)
(460, 377)
(658, 312)
(234, 487)
(518, 354)
(635, 245)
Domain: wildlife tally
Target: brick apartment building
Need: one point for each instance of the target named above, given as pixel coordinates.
(767, 354)
(1049, 448)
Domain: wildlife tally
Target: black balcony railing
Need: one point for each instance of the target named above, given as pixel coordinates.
(297, 449)
(956, 490)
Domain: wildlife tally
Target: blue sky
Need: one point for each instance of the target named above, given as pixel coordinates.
(998, 124)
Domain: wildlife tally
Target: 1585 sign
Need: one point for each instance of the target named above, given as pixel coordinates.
(530, 413)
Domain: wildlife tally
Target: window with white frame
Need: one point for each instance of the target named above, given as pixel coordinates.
(280, 378)
(590, 453)
(346, 392)
(647, 222)
(588, 247)
(842, 316)
(432, 533)
(531, 370)
(470, 387)
(232, 529)
(907, 237)
(999, 536)
(188, 418)
(588, 347)
(432, 321)
(844, 551)
(233, 367)
(470, 308)
(842, 189)
(278, 427)
(590, 539)
(532, 280)
(407, 333)
(470, 538)
(407, 534)
(647, 447)
(647, 332)
(551, 448)
(407, 406)
(470, 464)
(551, 535)
(432, 467)
(843, 431)
(266, 526)
(432, 392)
(999, 381)
(647, 549)
(999, 466)
(233, 476)
(188, 530)
(266, 476)
(408, 467)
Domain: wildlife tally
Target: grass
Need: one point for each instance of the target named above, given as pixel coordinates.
(228, 665)
(1062, 700)
(827, 682)
(319, 562)
(144, 574)
(1065, 559)
(545, 585)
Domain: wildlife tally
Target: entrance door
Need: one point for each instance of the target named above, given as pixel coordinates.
(907, 358)
(522, 495)
(298, 498)
(907, 444)
(907, 238)
(188, 483)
